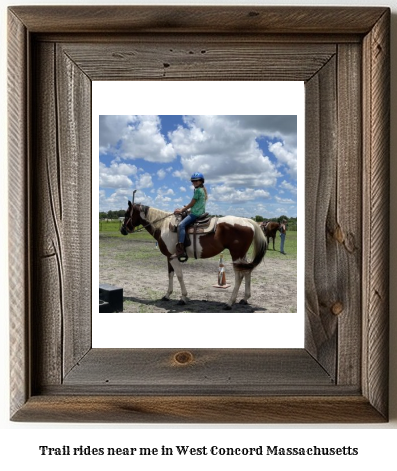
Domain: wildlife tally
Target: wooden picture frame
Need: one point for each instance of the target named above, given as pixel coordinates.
(342, 54)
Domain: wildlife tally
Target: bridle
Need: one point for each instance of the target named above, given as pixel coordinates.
(124, 228)
(140, 208)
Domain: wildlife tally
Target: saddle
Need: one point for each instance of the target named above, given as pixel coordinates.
(204, 224)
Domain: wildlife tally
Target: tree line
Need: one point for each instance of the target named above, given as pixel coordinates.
(112, 214)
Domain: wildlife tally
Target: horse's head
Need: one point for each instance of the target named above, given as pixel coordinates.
(132, 219)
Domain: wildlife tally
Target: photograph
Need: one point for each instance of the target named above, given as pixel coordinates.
(198, 213)
(201, 198)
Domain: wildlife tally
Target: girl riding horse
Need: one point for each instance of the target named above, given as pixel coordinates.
(197, 205)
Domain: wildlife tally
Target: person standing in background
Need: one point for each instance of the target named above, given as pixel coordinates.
(283, 232)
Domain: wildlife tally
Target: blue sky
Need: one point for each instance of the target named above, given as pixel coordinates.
(249, 162)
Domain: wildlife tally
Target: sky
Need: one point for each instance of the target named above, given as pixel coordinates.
(249, 162)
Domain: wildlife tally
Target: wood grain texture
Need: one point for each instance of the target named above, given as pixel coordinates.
(334, 215)
(73, 108)
(62, 196)
(198, 19)
(190, 59)
(206, 369)
(19, 240)
(320, 175)
(346, 227)
(198, 409)
(47, 263)
(341, 375)
(376, 91)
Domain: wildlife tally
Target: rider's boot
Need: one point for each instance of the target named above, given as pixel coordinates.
(180, 250)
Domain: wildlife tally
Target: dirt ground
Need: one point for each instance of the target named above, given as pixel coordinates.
(141, 270)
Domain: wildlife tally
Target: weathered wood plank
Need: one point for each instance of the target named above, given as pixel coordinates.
(321, 160)
(176, 38)
(19, 210)
(62, 199)
(73, 107)
(199, 19)
(199, 409)
(203, 368)
(347, 225)
(376, 93)
(47, 282)
(140, 59)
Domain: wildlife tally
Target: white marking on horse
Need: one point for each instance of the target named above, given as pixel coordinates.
(169, 239)
(234, 221)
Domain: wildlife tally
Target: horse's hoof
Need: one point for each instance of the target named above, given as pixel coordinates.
(226, 307)
(181, 302)
(243, 301)
(164, 298)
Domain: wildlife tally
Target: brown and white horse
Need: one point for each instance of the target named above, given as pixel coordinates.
(233, 233)
(270, 230)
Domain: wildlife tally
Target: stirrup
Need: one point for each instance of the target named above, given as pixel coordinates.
(183, 258)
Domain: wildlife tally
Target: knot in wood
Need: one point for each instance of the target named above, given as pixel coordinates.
(183, 358)
(337, 308)
(338, 235)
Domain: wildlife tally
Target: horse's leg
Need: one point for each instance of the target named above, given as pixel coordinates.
(274, 238)
(177, 266)
(247, 281)
(247, 292)
(171, 272)
(238, 278)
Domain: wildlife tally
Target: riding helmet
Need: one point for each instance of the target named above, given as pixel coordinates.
(197, 176)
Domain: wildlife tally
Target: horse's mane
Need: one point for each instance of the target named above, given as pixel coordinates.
(157, 217)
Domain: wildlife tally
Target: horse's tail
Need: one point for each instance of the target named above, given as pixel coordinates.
(260, 247)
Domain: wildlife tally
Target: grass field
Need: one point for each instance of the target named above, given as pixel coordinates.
(112, 229)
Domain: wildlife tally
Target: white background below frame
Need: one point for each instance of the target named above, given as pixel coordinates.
(186, 330)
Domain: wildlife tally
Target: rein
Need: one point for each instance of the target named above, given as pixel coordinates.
(147, 225)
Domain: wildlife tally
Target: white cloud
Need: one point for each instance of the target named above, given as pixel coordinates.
(276, 126)
(161, 174)
(222, 149)
(229, 194)
(120, 168)
(115, 181)
(163, 191)
(162, 199)
(112, 129)
(285, 157)
(144, 181)
(117, 200)
(116, 176)
(284, 200)
(134, 137)
(288, 186)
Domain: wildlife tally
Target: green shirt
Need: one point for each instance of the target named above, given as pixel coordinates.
(199, 206)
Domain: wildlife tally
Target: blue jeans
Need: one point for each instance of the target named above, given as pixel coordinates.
(182, 227)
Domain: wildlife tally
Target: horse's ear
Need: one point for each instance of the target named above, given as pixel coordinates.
(129, 204)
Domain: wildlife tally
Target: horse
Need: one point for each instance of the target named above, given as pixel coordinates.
(270, 230)
(233, 233)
